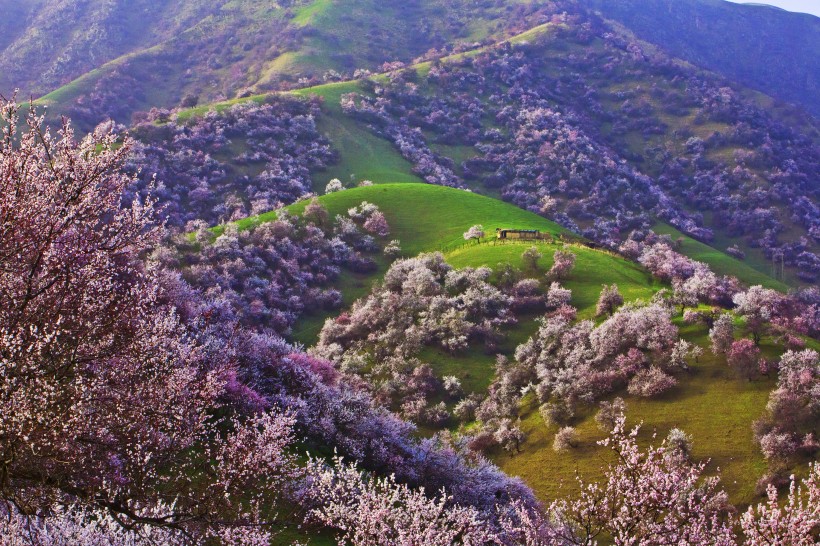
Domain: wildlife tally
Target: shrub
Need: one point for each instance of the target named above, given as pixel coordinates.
(334, 186)
(565, 439)
(651, 382)
(607, 416)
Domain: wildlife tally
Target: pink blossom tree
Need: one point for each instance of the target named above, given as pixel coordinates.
(794, 522)
(558, 296)
(651, 382)
(530, 257)
(316, 214)
(609, 300)
(648, 497)
(105, 396)
(565, 439)
(758, 306)
(722, 334)
(373, 511)
(475, 232)
(607, 417)
(744, 357)
(792, 409)
(563, 262)
(377, 224)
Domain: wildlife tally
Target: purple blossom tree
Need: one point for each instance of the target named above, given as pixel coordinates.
(377, 224)
(107, 394)
(563, 263)
(744, 357)
(609, 300)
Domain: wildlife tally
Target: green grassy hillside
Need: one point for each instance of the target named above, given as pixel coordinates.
(365, 156)
(362, 155)
(711, 403)
(424, 218)
(429, 218)
(593, 268)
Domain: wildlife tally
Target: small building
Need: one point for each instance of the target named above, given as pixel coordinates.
(518, 234)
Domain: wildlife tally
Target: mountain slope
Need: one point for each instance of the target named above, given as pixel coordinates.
(428, 218)
(719, 163)
(56, 42)
(626, 115)
(774, 51)
(94, 62)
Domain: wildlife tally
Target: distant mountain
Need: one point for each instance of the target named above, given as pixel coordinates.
(94, 60)
(98, 59)
(772, 50)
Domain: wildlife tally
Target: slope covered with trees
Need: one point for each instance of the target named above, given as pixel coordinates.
(765, 48)
(605, 136)
(80, 54)
(195, 347)
(634, 138)
(426, 339)
(110, 60)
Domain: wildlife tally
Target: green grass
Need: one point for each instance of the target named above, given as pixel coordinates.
(593, 268)
(189, 113)
(362, 155)
(426, 218)
(721, 263)
(710, 403)
(305, 14)
(423, 216)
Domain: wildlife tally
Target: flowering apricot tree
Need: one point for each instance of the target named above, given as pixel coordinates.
(105, 397)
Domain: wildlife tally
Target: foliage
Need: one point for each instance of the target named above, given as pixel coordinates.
(475, 232)
(609, 300)
(223, 166)
(422, 302)
(107, 394)
(372, 511)
(651, 497)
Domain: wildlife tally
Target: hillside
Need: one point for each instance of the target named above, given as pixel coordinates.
(427, 218)
(365, 154)
(423, 218)
(694, 147)
(92, 63)
(431, 218)
(88, 61)
(773, 51)
(407, 272)
(727, 166)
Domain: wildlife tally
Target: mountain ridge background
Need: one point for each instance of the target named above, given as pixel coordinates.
(170, 53)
